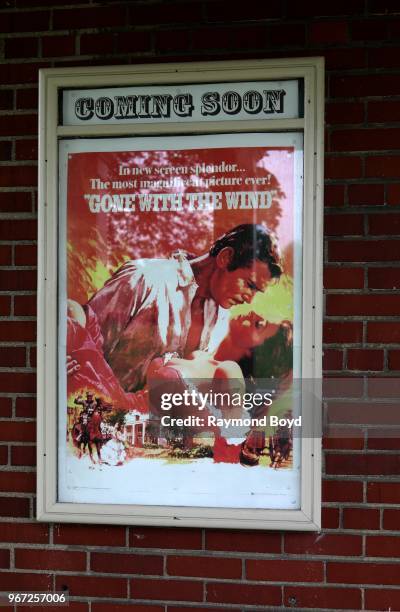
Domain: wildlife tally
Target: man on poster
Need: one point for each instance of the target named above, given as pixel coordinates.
(151, 307)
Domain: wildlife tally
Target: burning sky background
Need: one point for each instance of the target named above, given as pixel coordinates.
(99, 243)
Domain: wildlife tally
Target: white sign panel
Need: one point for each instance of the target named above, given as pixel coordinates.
(205, 102)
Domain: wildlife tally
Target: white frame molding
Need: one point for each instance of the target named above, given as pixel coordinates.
(308, 517)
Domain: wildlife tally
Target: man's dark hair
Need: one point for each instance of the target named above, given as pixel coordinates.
(249, 242)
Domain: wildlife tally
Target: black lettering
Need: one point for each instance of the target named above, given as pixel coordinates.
(252, 102)
(210, 103)
(183, 105)
(161, 106)
(104, 108)
(231, 103)
(84, 108)
(125, 107)
(274, 101)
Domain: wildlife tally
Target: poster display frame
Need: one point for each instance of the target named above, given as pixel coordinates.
(54, 86)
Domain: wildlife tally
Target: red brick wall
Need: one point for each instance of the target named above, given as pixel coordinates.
(193, 569)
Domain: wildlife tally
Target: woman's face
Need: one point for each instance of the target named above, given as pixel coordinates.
(251, 330)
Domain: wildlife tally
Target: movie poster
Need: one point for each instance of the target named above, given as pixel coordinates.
(180, 320)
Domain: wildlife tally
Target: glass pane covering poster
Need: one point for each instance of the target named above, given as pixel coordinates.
(180, 320)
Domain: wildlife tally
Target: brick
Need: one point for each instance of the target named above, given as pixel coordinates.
(388, 224)
(371, 29)
(21, 74)
(18, 125)
(365, 359)
(96, 43)
(23, 455)
(342, 491)
(251, 541)
(367, 194)
(15, 201)
(21, 280)
(334, 195)
(360, 305)
(57, 46)
(386, 166)
(299, 571)
(97, 606)
(128, 43)
(384, 278)
(213, 38)
(24, 21)
(21, 47)
(342, 167)
(25, 407)
(5, 407)
(16, 507)
(5, 150)
(5, 255)
(12, 356)
(364, 250)
(384, 110)
(342, 331)
(25, 305)
(89, 535)
(90, 586)
(13, 581)
(363, 412)
(328, 33)
(382, 546)
(216, 11)
(371, 464)
(19, 176)
(27, 99)
(383, 492)
(175, 40)
(60, 560)
(391, 519)
(26, 150)
(293, 35)
(330, 518)
(153, 537)
(325, 544)
(384, 439)
(32, 533)
(337, 113)
(17, 382)
(383, 8)
(18, 229)
(360, 518)
(343, 225)
(257, 595)
(6, 99)
(382, 598)
(126, 563)
(18, 482)
(4, 559)
(343, 278)
(79, 18)
(207, 567)
(384, 57)
(332, 359)
(365, 139)
(363, 573)
(3, 455)
(342, 438)
(394, 360)
(175, 590)
(323, 597)
(366, 85)
(383, 331)
(313, 8)
(345, 59)
(5, 307)
(25, 254)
